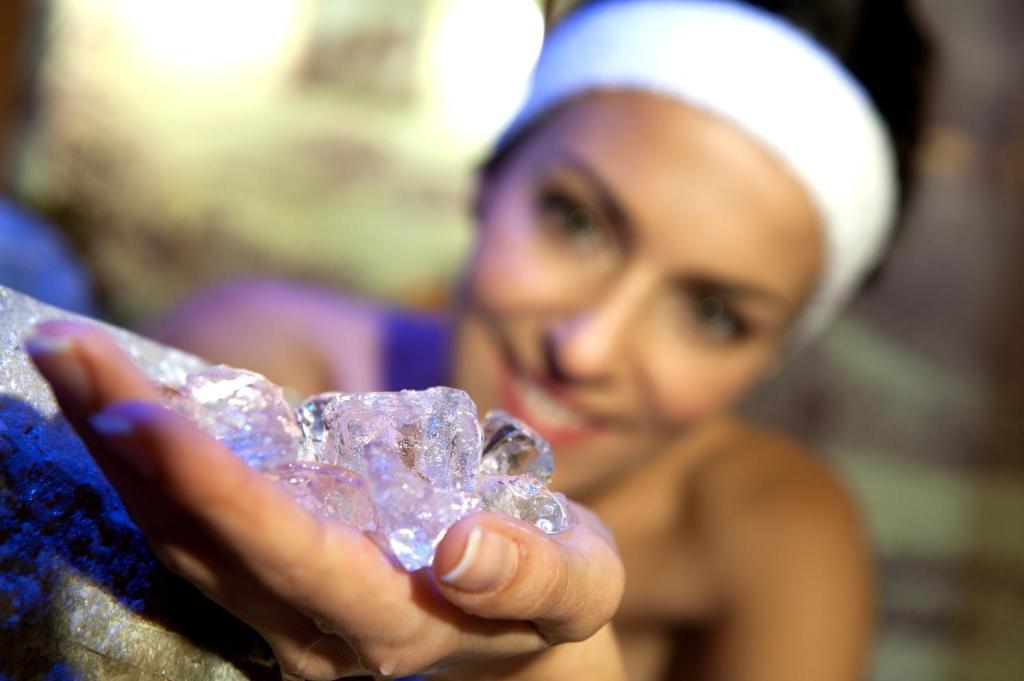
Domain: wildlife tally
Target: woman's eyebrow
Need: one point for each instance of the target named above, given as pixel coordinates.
(606, 199)
(730, 289)
(623, 224)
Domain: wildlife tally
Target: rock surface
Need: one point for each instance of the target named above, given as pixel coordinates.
(81, 596)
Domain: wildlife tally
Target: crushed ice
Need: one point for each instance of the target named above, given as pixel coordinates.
(401, 466)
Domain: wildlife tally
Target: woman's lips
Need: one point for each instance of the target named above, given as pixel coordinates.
(553, 418)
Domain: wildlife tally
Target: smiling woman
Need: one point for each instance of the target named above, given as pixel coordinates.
(691, 190)
(685, 252)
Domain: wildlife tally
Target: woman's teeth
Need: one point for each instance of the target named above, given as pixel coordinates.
(546, 409)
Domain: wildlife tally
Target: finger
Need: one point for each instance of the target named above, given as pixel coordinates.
(89, 373)
(243, 541)
(87, 370)
(85, 367)
(568, 584)
(191, 496)
(236, 505)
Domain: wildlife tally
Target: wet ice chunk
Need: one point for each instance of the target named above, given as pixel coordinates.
(243, 410)
(526, 498)
(310, 416)
(511, 448)
(412, 515)
(351, 422)
(327, 491)
(434, 432)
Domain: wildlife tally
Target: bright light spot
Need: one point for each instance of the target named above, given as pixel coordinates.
(213, 40)
(478, 63)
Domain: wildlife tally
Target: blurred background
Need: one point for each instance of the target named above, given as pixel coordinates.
(167, 146)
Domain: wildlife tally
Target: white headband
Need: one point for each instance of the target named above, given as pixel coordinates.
(767, 77)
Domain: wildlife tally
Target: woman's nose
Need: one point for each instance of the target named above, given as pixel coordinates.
(589, 344)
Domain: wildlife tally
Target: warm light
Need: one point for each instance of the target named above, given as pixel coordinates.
(478, 63)
(212, 40)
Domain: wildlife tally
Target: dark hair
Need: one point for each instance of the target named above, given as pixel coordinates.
(883, 45)
(880, 42)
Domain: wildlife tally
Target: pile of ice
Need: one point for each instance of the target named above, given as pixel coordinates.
(401, 466)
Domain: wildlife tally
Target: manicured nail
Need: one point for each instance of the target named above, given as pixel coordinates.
(488, 562)
(118, 434)
(38, 345)
(56, 358)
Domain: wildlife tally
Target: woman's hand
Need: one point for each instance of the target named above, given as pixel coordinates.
(324, 597)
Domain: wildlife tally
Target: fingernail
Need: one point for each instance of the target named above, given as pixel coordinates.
(118, 434)
(39, 345)
(488, 562)
(55, 356)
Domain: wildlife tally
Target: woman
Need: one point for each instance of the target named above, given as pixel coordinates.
(692, 190)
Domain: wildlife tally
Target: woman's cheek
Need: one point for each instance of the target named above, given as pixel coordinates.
(512, 271)
(702, 386)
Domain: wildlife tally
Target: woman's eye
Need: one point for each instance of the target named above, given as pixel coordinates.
(716, 319)
(572, 221)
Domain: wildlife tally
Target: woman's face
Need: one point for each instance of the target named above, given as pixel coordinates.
(638, 265)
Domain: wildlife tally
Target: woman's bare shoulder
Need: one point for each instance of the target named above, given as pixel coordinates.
(258, 299)
(300, 335)
(791, 568)
(754, 468)
(768, 502)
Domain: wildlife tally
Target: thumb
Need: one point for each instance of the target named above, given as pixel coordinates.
(569, 584)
